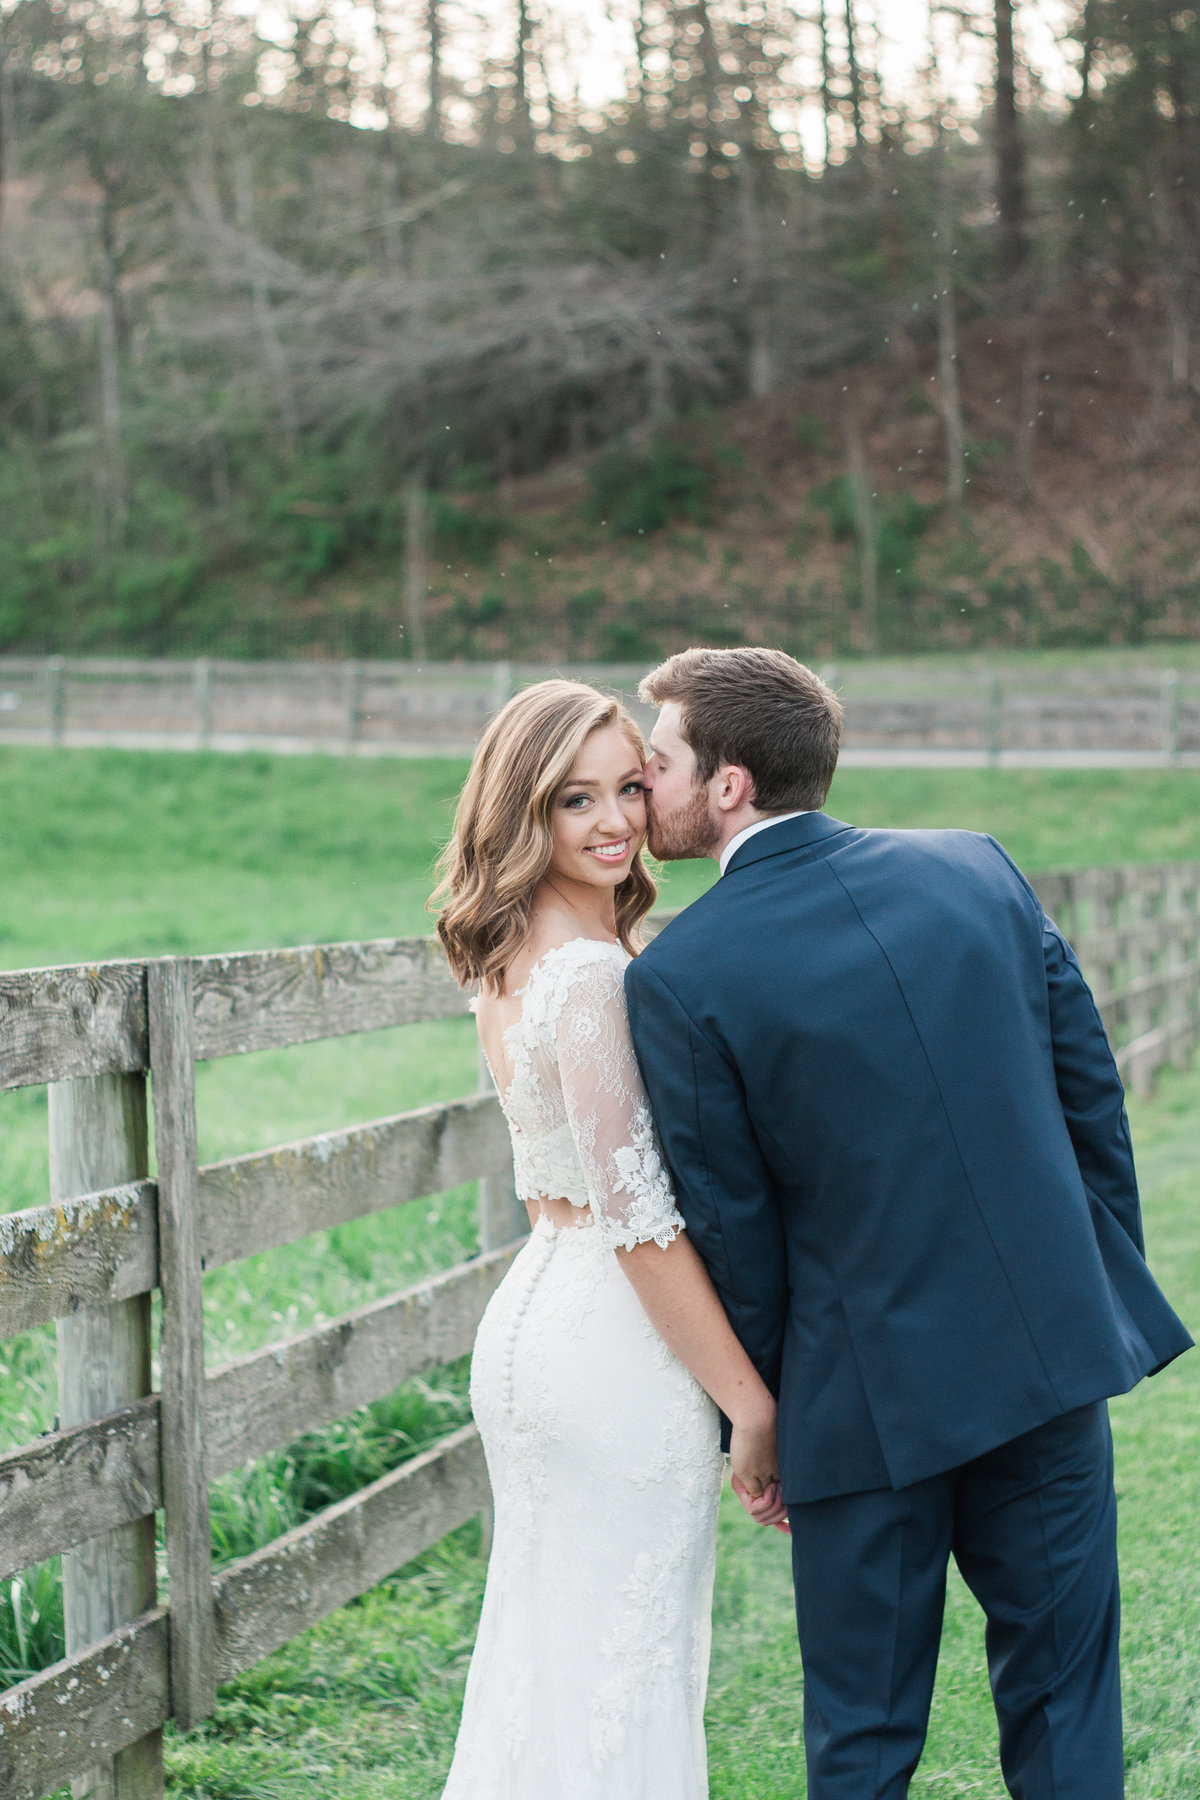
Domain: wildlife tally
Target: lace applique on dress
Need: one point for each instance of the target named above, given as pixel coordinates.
(581, 1125)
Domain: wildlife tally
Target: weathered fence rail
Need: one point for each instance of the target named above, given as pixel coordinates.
(911, 712)
(109, 1235)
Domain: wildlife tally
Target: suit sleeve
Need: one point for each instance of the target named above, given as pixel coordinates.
(1089, 1086)
(722, 1186)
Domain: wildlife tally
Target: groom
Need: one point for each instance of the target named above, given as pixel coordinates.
(899, 1142)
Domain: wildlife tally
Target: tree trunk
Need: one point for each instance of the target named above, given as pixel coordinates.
(1027, 423)
(434, 37)
(755, 278)
(1087, 44)
(949, 395)
(710, 87)
(6, 116)
(827, 100)
(855, 73)
(114, 480)
(416, 566)
(641, 40)
(274, 360)
(864, 528)
(659, 408)
(1011, 195)
(522, 123)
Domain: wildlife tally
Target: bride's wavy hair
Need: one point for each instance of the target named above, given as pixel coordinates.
(503, 841)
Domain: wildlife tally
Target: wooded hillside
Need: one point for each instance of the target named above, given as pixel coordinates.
(375, 338)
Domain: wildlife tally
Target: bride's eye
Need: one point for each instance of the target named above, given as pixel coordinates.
(634, 787)
(576, 802)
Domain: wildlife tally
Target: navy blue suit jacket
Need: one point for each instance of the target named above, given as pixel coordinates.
(899, 1141)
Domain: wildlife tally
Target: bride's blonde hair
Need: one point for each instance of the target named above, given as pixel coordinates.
(503, 842)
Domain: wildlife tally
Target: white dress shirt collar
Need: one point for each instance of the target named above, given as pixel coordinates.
(743, 837)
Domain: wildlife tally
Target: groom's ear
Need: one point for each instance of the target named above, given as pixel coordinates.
(734, 787)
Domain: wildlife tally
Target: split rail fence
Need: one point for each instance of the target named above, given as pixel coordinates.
(90, 1259)
(899, 712)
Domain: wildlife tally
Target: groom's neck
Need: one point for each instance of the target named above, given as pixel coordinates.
(734, 823)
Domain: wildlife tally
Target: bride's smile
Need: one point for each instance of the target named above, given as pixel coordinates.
(598, 824)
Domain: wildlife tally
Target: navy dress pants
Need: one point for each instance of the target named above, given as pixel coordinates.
(1032, 1527)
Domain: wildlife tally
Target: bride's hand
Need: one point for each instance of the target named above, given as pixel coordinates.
(754, 1465)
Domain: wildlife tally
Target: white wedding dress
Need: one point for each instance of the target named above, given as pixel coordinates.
(591, 1663)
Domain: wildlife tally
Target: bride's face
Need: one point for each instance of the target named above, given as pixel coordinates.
(598, 823)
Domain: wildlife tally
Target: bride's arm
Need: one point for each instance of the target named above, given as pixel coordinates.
(633, 1206)
(681, 1303)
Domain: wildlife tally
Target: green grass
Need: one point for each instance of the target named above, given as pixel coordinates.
(109, 854)
(369, 1699)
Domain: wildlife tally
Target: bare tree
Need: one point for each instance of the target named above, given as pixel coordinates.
(434, 35)
(522, 48)
(949, 393)
(866, 533)
(6, 114)
(274, 359)
(854, 73)
(1012, 199)
(416, 564)
(828, 103)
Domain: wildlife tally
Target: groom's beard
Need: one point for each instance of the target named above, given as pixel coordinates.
(687, 832)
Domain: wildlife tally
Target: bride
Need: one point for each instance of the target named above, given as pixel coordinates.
(604, 1354)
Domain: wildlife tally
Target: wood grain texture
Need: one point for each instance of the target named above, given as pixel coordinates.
(104, 1247)
(253, 1203)
(260, 1000)
(87, 1251)
(270, 1398)
(181, 1350)
(70, 1485)
(60, 1024)
(268, 1598)
(98, 1138)
(83, 1709)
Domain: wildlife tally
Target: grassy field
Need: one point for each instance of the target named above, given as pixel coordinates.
(110, 854)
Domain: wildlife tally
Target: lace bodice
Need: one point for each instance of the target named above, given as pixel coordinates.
(576, 1108)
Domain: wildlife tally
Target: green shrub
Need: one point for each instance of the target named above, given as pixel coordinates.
(463, 533)
(900, 523)
(636, 492)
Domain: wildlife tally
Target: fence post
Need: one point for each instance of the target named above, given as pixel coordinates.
(202, 694)
(502, 685)
(56, 685)
(994, 723)
(1170, 705)
(98, 1140)
(355, 681)
(181, 1351)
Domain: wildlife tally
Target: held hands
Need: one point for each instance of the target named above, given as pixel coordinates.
(754, 1466)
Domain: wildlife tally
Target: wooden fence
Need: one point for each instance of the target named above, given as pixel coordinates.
(109, 1236)
(910, 712)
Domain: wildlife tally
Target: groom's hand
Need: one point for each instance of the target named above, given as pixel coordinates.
(766, 1508)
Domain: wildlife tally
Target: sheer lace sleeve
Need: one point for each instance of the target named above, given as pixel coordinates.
(629, 1189)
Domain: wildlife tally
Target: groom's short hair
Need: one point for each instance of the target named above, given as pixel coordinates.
(759, 708)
